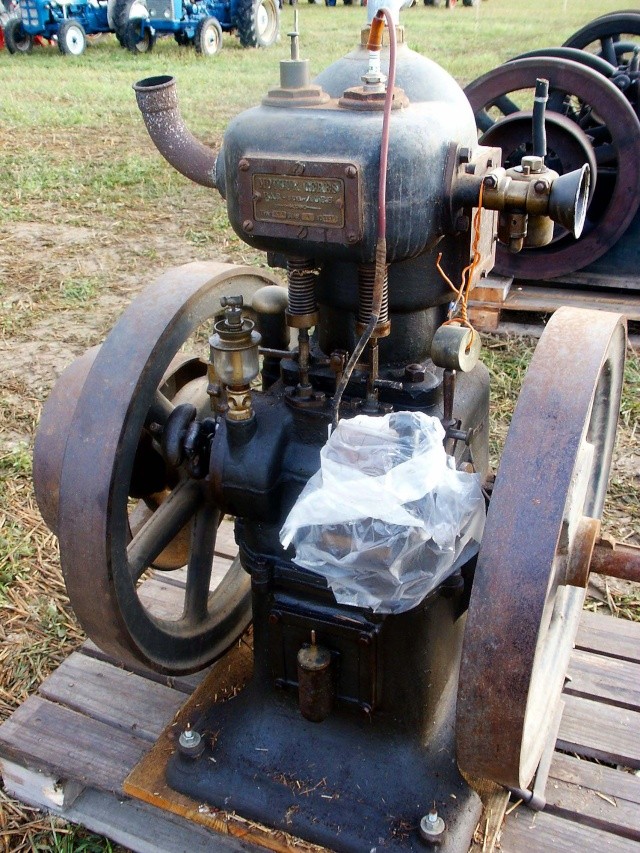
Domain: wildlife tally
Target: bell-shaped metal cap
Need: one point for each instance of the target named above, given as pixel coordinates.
(569, 198)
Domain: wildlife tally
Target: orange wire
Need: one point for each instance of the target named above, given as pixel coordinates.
(466, 278)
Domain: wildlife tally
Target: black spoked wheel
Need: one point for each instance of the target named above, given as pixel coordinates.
(133, 507)
(258, 22)
(16, 38)
(602, 35)
(138, 38)
(605, 122)
(208, 38)
(125, 11)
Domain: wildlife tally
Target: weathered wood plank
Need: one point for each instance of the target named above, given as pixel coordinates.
(66, 745)
(545, 300)
(594, 809)
(589, 774)
(37, 788)
(145, 829)
(112, 695)
(606, 635)
(185, 684)
(601, 731)
(225, 539)
(495, 800)
(541, 832)
(614, 681)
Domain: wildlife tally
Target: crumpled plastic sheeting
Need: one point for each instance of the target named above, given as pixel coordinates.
(387, 517)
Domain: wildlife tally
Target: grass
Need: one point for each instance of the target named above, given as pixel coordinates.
(89, 213)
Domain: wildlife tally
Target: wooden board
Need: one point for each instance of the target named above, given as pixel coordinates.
(93, 723)
(501, 305)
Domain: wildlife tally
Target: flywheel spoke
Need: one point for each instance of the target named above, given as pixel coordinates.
(163, 526)
(160, 409)
(203, 541)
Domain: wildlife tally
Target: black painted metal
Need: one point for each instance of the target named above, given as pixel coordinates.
(359, 779)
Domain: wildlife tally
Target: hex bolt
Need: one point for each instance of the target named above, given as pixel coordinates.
(247, 225)
(432, 828)
(190, 743)
(464, 155)
(351, 171)
(490, 182)
(414, 373)
(243, 165)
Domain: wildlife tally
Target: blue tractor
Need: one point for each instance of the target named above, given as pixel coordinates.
(198, 22)
(69, 23)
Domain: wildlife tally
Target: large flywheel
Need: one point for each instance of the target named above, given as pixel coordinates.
(533, 564)
(595, 121)
(125, 506)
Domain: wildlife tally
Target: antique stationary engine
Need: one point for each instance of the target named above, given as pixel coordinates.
(368, 186)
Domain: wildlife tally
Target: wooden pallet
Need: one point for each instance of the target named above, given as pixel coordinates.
(499, 304)
(69, 748)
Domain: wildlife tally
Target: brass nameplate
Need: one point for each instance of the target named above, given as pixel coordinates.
(310, 201)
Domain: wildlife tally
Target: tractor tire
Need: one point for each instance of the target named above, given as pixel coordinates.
(16, 38)
(470, 2)
(72, 39)
(136, 43)
(125, 11)
(208, 38)
(182, 39)
(258, 22)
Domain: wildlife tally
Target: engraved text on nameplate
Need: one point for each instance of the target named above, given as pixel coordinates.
(300, 200)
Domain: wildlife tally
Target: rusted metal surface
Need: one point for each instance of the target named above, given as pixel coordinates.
(616, 559)
(604, 114)
(521, 618)
(100, 566)
(51, 438)
(158, 102)
(309, 199)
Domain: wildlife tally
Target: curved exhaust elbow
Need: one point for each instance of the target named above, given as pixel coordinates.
(158, 102)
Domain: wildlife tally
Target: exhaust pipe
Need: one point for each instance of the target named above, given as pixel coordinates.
(158, 102)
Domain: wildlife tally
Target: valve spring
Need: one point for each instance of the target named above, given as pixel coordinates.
(366, 277)
(302, 279)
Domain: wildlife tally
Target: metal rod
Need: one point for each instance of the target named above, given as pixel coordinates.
(539, 106)
(618, 561)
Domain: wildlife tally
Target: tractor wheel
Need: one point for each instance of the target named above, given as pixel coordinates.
(125, 11)
(470, 2)
(138, 39)
(72, 39)
(258, 22)
(182, 39)
(16, 38)
(208, 40)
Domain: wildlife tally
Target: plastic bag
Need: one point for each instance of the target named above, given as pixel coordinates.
(387, 517)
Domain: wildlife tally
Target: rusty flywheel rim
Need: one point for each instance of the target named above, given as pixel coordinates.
(100, 562)
(606, 116)
(527, 595)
